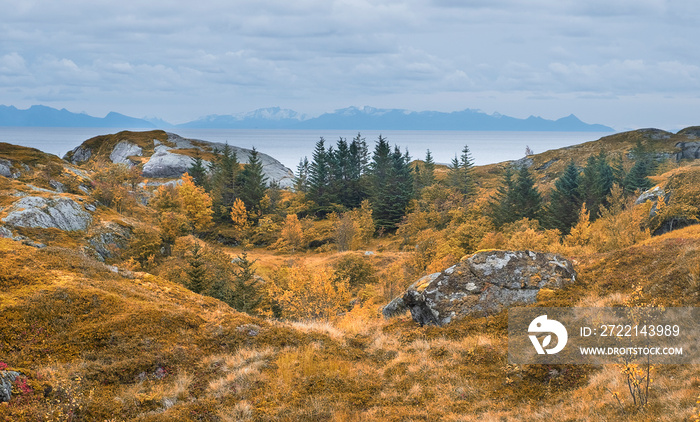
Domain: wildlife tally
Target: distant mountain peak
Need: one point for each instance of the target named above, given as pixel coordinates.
(351, 118)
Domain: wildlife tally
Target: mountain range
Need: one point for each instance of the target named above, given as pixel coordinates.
(352, 118)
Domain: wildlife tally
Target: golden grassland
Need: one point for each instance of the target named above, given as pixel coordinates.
(95, 344)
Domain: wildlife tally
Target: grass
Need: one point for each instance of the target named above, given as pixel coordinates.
(94, 345)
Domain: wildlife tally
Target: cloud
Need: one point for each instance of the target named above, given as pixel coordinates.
(309, 54)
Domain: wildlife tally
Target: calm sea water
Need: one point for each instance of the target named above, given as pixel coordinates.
(289, 146)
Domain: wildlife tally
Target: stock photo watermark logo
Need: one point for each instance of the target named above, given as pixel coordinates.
(651, 335)
(543, 325)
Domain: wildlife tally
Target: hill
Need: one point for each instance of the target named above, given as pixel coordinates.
(101, 321)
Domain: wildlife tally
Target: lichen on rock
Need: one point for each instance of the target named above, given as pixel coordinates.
(482, 284)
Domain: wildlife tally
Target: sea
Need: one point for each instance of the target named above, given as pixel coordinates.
(290, 146)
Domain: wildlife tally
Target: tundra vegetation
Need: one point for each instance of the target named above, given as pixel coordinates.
(232, 299)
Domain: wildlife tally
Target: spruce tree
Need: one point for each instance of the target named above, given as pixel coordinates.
(637, 178)
(197, 170)
(301, 179)
(643, 166)
(503, 203)
(391, 185)
(319, 178)
(253, 184)
(224, 179)
(246, 296)
(428, 173)
(597, 181)
(526, 199)
(454, 173)
(565, 200)
(197, 271)
(467, 184)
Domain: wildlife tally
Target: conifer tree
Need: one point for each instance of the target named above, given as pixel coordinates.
(197, 170)
(503, 203)
(454, 173)
(565, 200)
(428, 173)
(527, 200)
(467, 184)
(252, 185)
(596, 183)
(225, 171)
(197, 271)
(637, 178)
(247, 294)
(391, 185)
(301, 179)
(319, 177)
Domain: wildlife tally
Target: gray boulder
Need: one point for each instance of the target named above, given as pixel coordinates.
(5, 232)
(5, 168)
(79, 155)
(123, 150)
(166, 164)
(55, 212)
(485, 283)
(109, 239)
(688, 150)
(7, 378)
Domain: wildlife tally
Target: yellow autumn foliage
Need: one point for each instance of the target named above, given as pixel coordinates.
(196, 203)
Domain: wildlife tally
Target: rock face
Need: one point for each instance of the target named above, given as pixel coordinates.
(56, 212)
(166, 164)
(688, 150)
(80, 154)
(123, 150)
(5, 168)
(484, 283)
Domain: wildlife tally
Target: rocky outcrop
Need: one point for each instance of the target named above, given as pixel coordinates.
(123, 150)
(653, 195)
(5, 168)
(108, 240)
(7, 379)
(166, 164)
(688, 150)
(55, 212)
(482, 284)
(79, 154)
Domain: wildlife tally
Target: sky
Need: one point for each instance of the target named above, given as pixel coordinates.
(623, 63)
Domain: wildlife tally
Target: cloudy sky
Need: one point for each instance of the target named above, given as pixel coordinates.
(623, 63)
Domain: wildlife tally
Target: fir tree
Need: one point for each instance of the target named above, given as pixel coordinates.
(467, 185)
(503, 203)
(253, 185)
(319, 177)
(428, 174)
(565, 200)
(526, 199)
(597, 181)
(643, 166)
(197, 170)
(225, 171)
(391, 185)
(197, 271)
(246, 295)
(301, 179)
(454, 171)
